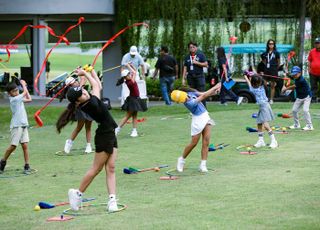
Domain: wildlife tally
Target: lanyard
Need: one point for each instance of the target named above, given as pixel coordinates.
(191, 59)
(269, 57)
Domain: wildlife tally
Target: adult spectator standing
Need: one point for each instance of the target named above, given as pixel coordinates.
(168, 67)
(225, 76)
(137, 62)
(271, 60)
(146, 68)
(193, 69)
(135, 59)
(47, 69)
(314, 68)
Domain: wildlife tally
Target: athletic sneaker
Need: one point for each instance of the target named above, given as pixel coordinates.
(134, 133)
(2, 165)
(308, 128)
(117, 131)
(68, 146)
(180, 164)
(88, 148)
(203, 168)
(75, 198)
(294, 126)
(27, 168)
(271, 102)
(274, 144)
(239, 101)
(112, 205)
(260, 143)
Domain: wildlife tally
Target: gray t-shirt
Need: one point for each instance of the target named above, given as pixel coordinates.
(136, 60)
(19, 114)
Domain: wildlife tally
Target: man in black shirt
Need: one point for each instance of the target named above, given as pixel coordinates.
(168, 67)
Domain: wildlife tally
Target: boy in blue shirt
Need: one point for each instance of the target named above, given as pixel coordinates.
(19, 123)
(303, 99)
(200, 125)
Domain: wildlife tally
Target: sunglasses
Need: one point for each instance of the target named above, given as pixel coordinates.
(271, 44)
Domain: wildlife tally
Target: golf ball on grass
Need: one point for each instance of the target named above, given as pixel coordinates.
(248, 149)
(157, 169)
(36, 208)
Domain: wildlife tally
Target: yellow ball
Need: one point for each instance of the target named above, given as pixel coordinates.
(36, 208)
(273, 128)
(248, 148)
(284, 128)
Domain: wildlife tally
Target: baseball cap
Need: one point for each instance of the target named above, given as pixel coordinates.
(133, 50)
(317, 40)
(74, 93)
(295, 70)
(124, 73)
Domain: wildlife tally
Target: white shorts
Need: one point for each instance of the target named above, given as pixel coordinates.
(198, 123)
(19, 135)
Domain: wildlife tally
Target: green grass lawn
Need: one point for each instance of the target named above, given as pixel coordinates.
(275, 189)
(59, 62)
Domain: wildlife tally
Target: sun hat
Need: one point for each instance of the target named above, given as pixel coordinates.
(179, 96)
(124, 73)
(70, 80)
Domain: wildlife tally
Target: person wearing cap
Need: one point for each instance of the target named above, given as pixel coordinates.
(193, 66)
(133, 103)
(135, 59)
(200, 125)
(168, 68)
(314, 68)
(81, 117)
(303, 99)
(105, 140)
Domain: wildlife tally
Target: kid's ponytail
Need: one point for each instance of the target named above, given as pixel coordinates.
(66, 116)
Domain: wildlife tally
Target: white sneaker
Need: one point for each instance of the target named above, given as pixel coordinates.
(308, 128)
(260, 143)
(112, 205)
(75, 198)
(203, 168)
(180, 164)
(274, 144)
(294, 126)
(88, 148)
(134, 133)
(68, 146)
(117, 130)
(239, 100)
(271, 102)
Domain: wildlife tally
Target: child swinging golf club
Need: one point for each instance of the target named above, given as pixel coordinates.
(81, 117)
(19, 123)
(265, 114)
(105, 139)
(200, 125)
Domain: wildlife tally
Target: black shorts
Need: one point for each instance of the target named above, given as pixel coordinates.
(105, 139)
